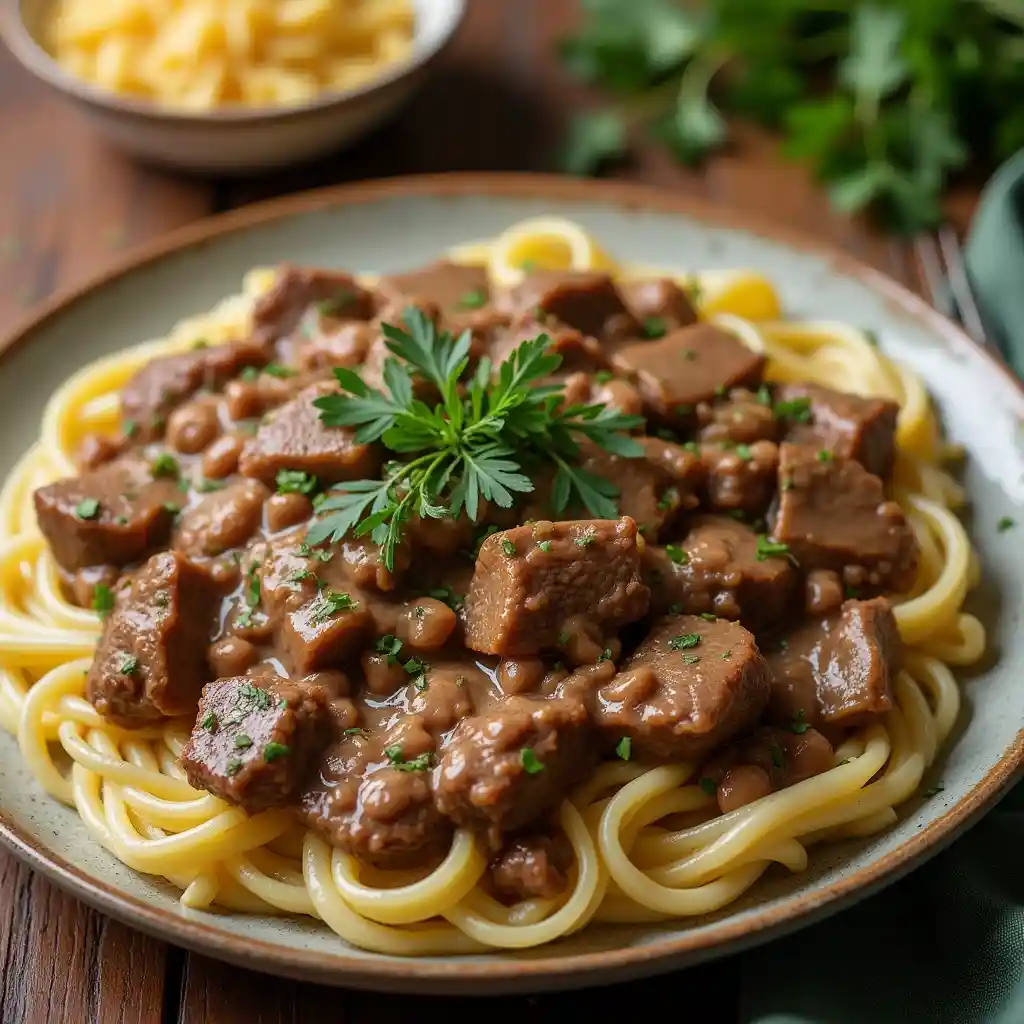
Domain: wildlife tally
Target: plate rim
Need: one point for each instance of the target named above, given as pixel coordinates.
(472, 974)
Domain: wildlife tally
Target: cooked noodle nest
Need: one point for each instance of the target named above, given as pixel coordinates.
(634, 861)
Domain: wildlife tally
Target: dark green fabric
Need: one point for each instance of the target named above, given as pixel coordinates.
(946, 944)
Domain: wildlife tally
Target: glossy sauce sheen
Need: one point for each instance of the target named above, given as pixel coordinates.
(487, 673)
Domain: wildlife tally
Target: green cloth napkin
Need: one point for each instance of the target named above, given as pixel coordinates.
(946, 944)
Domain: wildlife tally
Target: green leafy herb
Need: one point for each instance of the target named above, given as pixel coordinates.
(764, 396)
(165, 464)
(508, 547)
(1005, 523)
(249, 374)
(824, 455)
(624, 748)
(778, 755)
(272, 751)
(172, 507)
(129, 664)
(529, 760)
(300, 575)
(129, 428)
(725, 655)
(209, 721)
(474, 299)
(654, 327)
(884, 100)
(683, 641)
(677, 554)
(605, 655)
(675, 609)
(691, 659)
(102, 600)
(544, 545)
(743, 452)
(472, 445)
(421, 763)
(669, 499)
(329, 603)
(317, 553)
(205, 485)
(933, 790)
(354, 731)
(799, 725)
(796, 409)
(295, 481)
(87, 508)
(769, 548)
(709, 785)
(448, 596)
(603, 376)
(234, 766)
(390, 646)
(336, 304)
(279, 371)
(242, 741)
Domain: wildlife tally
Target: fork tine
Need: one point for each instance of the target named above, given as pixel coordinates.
(939, 292)
(960, 285)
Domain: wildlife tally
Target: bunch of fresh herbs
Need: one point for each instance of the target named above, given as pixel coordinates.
(885, 99)
(479, 442)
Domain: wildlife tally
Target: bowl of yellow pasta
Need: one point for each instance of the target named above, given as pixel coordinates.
(231, 86)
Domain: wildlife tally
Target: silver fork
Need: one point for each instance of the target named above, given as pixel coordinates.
(945, 276)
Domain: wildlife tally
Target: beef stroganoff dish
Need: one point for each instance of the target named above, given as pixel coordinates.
(466, 607)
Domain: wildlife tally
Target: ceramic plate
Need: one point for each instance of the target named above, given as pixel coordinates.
(394, 225)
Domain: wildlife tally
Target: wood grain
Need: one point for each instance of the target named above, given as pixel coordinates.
(69, 207)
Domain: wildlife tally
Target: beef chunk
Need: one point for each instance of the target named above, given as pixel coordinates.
(505, 768)
(654, 489)
(452, 287)
(341, 344)
(296, 438)
(833, 515)
(529, 867)
(382, 814)
(587, 300)
(324, 631)
(222, 520)
(741, 477)
(716, 570)
(856, 428)
(836, 670)
(151, 660)
(659, 304)
(742, 419)
(688, 366)
(164, 383)
(690, 686)
(530, 580)
(112, 515)
(253, 745)
(299, 294)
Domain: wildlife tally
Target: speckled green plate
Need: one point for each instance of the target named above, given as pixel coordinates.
(396, 224)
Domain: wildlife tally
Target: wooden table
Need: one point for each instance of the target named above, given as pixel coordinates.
(69, 207)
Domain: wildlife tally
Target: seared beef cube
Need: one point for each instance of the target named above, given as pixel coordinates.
(452, 287)
(686, 367)
(719, 568)
(584, 299)
(324, 632)
(654, 489)
(659, 304)
(529, 867)
(222, 520)
(295, 437)
(381, 814)
(742, 419)
(341, 344)
(741, 477)
(579, 352)
(614, 393)
(254, 742)
(837, 670)
(165, 382)
(151, 659)
(530, 580)
(832, 514)
(849, 425)
(505, 768)
(317, 295)
(109, 516)
(690, 686)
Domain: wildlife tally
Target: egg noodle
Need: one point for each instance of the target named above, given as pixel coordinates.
(203, 54)
(630, 866)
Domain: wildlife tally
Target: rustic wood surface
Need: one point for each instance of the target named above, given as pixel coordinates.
(69, 207)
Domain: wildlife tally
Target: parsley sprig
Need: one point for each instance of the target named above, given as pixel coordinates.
(475, 444)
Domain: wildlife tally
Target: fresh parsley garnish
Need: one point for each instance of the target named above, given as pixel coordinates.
(448, 596)
(529, 760)
(508, 547)
(545, 546)
(87, 508)
(243, 741)
(279, 371)
(624, 748)
(708, 785)
(129, 664)
(677, 554)
(743, 452)
(472, 445)
(1005, 523)
(295, 481)
(390, 646)
(329, 603)
(421, 763)
(474, 299)
(824, 455)
(799, 725)
(683, 641)
(796, 409)
(769, 548)
(165, 464)
(654, 327)
(209, 721)
(272, 751)
(778, 755)
(337, 304)
(102, 600)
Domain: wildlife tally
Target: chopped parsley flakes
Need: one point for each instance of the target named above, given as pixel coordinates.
(530, 762)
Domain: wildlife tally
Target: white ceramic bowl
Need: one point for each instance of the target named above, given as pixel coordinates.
(242, 141)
